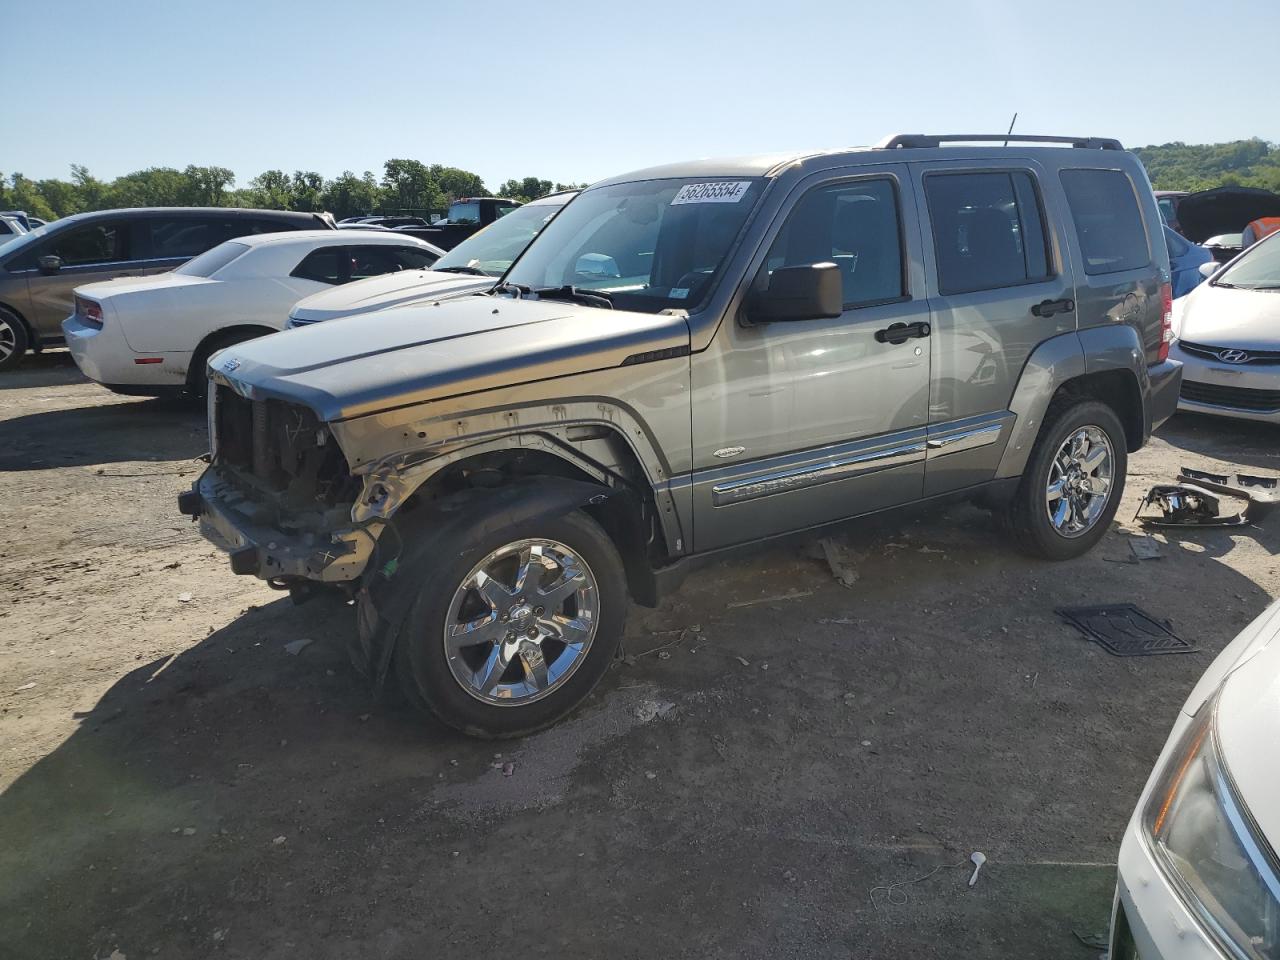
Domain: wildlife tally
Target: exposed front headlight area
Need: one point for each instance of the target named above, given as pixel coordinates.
(1208, 847)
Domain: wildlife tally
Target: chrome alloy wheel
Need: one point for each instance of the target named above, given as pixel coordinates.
(521, 622)
(1080, 480)
(8, 338)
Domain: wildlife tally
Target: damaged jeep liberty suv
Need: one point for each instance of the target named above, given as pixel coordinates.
(687, 359)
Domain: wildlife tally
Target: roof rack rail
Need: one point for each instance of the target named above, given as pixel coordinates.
(920, 140)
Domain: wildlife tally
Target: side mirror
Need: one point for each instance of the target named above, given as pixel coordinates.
(50, 263)
(596, 265)
(1207, 270)
(810, 292)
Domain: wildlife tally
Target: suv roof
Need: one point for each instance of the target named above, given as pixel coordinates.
(130, 213)
(771, 164)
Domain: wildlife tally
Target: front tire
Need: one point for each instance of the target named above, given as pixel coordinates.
(1073, 482)
(14, 339)
(514, 628)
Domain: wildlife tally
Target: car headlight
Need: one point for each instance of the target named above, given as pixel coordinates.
(1208, 845)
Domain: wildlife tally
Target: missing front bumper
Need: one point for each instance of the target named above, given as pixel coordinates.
(228, 519)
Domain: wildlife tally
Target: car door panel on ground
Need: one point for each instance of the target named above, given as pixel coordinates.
(1000, 283)
(800, 423)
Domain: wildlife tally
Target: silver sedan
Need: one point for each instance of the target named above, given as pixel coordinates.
(1228, 338)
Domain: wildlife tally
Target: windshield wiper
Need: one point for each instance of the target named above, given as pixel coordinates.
(595, 298)
(473, 271)
(516, 290)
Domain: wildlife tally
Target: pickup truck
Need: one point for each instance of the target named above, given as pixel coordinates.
(466, 215)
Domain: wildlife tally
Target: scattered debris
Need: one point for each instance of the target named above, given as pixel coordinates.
(508, 768)
(662, 649)
(188, 831)
(978, 858)
(1125, 631)
(364, 717)
(1145, 548)
(185, 597)
(743, 660)
(897, 896)
(277, 841)
(25, 686)
(866, 743)
(1094, 941)
(647, 710)
(840, 561)
(849, 699)
(295, 647)
(1193, 500)
(650, 775)
(794, 595)
(932, 550)
(788, 876)
(844, 621)
(664, 654)
(219, 935)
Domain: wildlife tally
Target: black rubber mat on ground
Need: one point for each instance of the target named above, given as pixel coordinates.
(1125, 631)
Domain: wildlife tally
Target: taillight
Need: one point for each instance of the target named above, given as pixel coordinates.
(1166, 321)
(89, 311)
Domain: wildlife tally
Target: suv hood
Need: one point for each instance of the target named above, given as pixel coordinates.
(427, 351)
(1224, 210)
(1223, 317)
(390, 289)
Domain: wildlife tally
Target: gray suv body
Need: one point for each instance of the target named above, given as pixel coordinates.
(687, 359)
(39, 270)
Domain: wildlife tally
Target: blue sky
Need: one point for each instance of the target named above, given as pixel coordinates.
(579, 91)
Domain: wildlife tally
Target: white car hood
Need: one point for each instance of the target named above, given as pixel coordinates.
(1222, 317)
(1249, 731)
(388, 290)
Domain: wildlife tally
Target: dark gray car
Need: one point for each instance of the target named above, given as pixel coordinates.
(38, 270)
(687, 359)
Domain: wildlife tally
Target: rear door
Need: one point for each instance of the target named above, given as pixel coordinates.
(99, 250)
(1121, 256)
(1000, 284)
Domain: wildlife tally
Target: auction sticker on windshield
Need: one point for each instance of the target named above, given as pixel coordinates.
(720, 191)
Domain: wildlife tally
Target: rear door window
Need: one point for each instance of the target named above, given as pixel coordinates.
(854, 225)
(1108, 220)
(988, 230)
(326, 265)
(183, 237)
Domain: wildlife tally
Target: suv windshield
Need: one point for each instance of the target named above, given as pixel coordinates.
(650, 245)
(464, 211)
(1258, 268)
(493, 249)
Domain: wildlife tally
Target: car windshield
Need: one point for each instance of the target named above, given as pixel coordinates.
(493, 249)
(211, 261)
(649, 245)
(1258, 268)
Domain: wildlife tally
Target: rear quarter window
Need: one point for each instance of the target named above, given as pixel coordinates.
(1108, 220)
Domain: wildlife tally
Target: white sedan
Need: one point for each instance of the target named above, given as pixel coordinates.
(1199, 875)
(472, 266)
(152, 335)
(1228, 338)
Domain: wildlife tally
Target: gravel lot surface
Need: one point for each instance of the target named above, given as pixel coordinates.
(175, 783)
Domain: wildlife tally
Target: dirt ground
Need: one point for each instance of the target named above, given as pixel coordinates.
(176, 784)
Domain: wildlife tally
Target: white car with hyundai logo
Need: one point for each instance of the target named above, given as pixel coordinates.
(1228, 338)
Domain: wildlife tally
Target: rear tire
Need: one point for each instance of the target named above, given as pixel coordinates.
(14, 339)
(1058, 511)
(495, 654)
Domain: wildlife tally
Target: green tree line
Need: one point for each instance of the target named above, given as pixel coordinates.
(1200, 166)
(405, 185)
